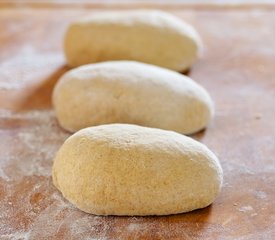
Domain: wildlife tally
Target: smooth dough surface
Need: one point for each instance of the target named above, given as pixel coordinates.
(121, 169)
(149, 36)
(130, 92)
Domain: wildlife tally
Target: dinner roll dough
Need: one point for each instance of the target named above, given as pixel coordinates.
(130, 92)
(149, 36)
(122, 169)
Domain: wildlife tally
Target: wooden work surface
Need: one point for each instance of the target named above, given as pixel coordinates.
(238, 70)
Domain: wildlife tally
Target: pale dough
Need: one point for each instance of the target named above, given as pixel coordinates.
(149, 36)
(131, 92)
(122, 169)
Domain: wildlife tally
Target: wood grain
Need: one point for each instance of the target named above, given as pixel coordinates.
(237, 68)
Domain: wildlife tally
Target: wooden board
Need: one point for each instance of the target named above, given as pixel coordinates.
(237, 68)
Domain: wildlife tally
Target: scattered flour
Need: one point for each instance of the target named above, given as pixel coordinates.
(133, 227)
(30, 206)
(249, 210)
(16, 236)
(246, 209)
(32, 147)
(260, 194)
(30, 65)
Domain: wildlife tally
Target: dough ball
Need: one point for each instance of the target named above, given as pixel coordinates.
(148, 36)
(121, 169)
(131, 92)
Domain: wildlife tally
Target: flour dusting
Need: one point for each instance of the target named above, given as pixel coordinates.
(260, 194)
(32, 139)
(32, 148)
(246, 209)
(29, 64)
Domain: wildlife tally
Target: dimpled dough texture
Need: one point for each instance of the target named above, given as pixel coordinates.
(130, 92)
(153, 37)
(121, 169)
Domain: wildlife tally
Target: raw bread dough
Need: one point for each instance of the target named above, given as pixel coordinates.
(121, 169)
(130, 92)
(149, 36)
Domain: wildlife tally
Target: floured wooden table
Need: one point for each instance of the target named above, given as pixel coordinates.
(237, 68)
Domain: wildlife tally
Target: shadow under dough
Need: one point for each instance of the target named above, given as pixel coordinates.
(39, 96)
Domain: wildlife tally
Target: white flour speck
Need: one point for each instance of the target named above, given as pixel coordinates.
(247, 208)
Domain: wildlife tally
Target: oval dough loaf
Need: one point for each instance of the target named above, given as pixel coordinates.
(130, 92)
(121, 169)
(153, 37)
